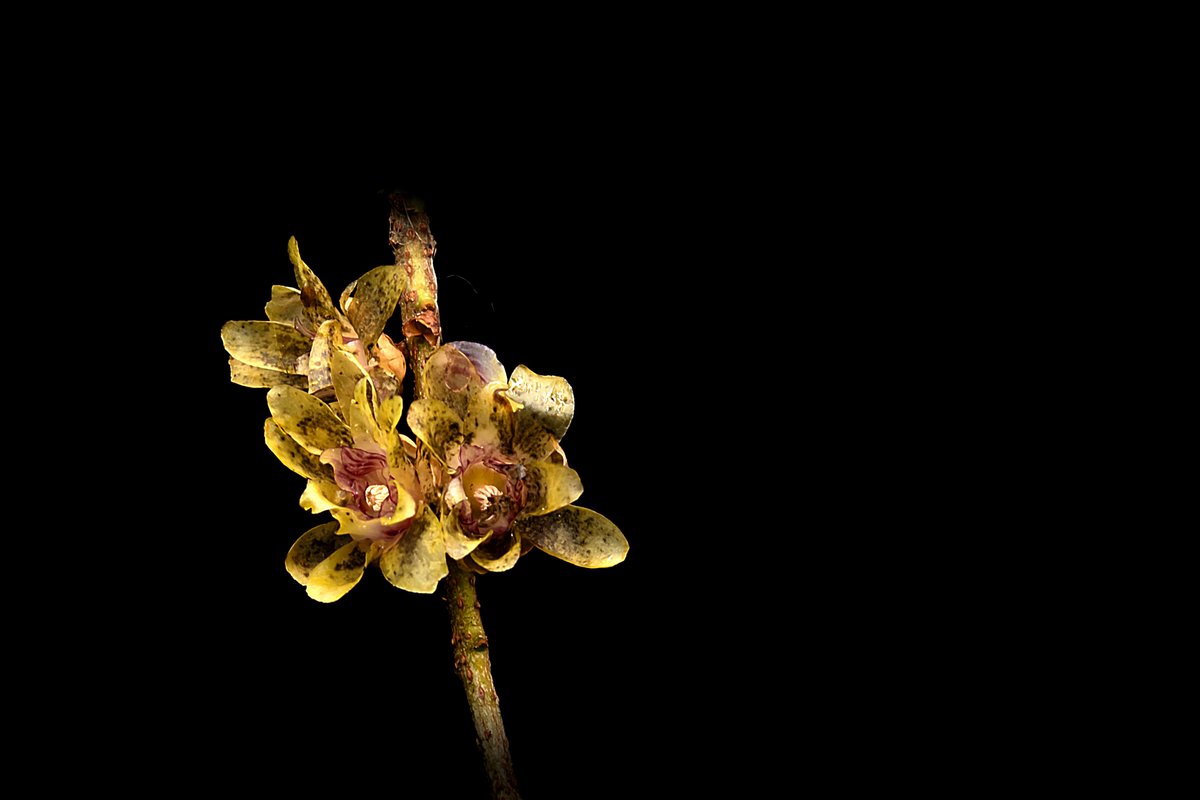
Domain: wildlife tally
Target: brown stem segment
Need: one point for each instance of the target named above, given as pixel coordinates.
(414, 247)
(474, 667)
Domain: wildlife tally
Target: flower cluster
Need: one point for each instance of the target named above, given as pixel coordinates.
(484, 481)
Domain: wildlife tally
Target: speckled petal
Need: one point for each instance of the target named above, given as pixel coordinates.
(259, 378)
(489, 419)
(338, 574)
(270, 345)
(547, 398)
(484, 360)
(550, 487)
(436, 425)
(418, 560)
(318, 305)
(347, 373)
(308, 420)
(499, 560)
(451, 378)
(314, 546)
(293, 456)
(531, 441)
(458, 543)
(577, 535)
(326, 343)
(284, 305)
(375, 298)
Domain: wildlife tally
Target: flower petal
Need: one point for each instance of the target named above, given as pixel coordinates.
(577, 535)
(531, 441)
(499, 555)
(314, 546)
(309, 421)
(338, 574)
(319, 495)
(489, 419)
(271, 345)
(375, 298)
(318, 305)
(484, 360)
(437, 425)
(347, 373)
(284, 305)
(458, 543)
(547, 398)
(326, 343)
(293, 456)
(451, 378)
(550, 487)
(417, 561)
(260, 378)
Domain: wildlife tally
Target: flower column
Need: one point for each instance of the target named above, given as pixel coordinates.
(414, 248)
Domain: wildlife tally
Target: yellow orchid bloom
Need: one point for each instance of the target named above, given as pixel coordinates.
(507, 485)
(294, 344)
(360, 469)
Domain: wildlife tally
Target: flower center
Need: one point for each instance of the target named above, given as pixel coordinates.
(486, 495)
(376, 495)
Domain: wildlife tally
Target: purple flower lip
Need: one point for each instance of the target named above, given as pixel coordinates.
(364, 474)
(494, 490)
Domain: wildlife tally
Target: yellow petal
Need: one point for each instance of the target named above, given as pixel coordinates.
(308, 420)
(320, 495)
(293, 456)
(489, 419)
(436, 425)
(550, 487)
(363, 410)
(338, 574)
(318, 305)
(389, 413)
(259, 378)
(458, 543)
(418, 560)
(347, 373)
(326, 343)
(313, 547)
(501, 555)
(577, 535)
(548, 399)
(270, 345)
(284, 305)
(375, 298)
(531, 441)
(391, 358)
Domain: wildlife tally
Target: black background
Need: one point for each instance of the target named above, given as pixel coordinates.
(635, 677)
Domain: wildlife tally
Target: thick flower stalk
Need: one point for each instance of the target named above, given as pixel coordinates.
(508, 488)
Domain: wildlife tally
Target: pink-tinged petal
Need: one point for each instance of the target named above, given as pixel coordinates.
(308, 420)
(260, 378)
(338, 574)
(269, 345)
(417, 561)
(548, 399)
(549, 487)
(577, 535)
(484, 359)
(451, 378)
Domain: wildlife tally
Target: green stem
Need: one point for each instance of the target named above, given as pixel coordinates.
(414, 246)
